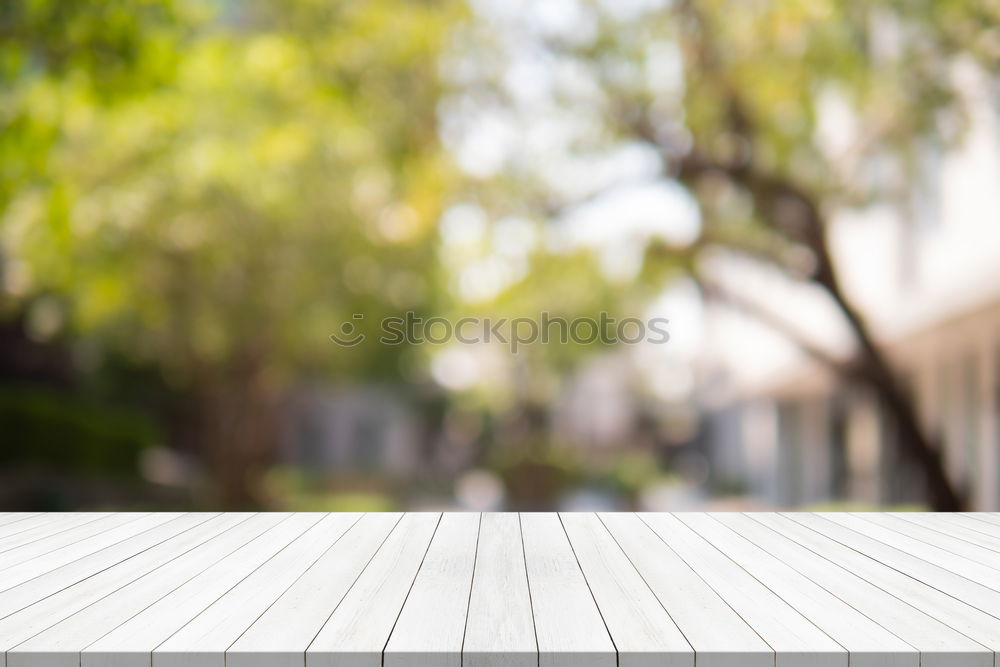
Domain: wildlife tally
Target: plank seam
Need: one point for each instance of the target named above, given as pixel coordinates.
(774, 654)
(273, 602)
(60, 532)
(880, 587)
(943, 546)
(115, 564)
(527, 580)
(946, 534)
(224, 593)
(410, 588)
(755, 578)
(351, 587)
(164, 564)
(833, 593)
(589, 588)
(791, 517)
(179, 585)
(652, 592)
(472, 583)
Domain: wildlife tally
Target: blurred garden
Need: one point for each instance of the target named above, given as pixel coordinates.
(196, 196)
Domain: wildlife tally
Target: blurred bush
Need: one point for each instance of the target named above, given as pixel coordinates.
(46, 428)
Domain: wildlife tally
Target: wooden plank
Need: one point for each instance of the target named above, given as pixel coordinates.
(280, 637)
(986, 517)
(953, 545)
(44, 560)
(23, 595)
(500, 590)
(971, 622)
(968, 520)
(48, 528)
(642, 631)
(867, 642)
(568, 625)
(500, 631)
(795, 640)
(951, 525)
(359, 628)
(203, 641)
(45, 613)
(131, 643)
(957, 586)
(15, 522)
(939, 645)
(970, 569)
(719, 636)
(431, 626)
(61, 644)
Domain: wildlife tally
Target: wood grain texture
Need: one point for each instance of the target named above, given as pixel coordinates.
(952, 526)
(499, 590)
(131, 643)
(973, 593)
(280, 637)
(568, 625)
(18, 627)
(719, 636)
(956, 546)
(431, 628)
(939, 645)
(203, 641)
(971, 622)
(991, 518)
(359, 628)
(500, 631)
(867, 642)
(932, 553)
(61, 644)
(796, 641)
(37, 558)
(15, 524)
(48, 533)
(641, 629)
(18, 597)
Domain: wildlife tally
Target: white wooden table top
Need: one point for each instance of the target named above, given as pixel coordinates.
(499, 590)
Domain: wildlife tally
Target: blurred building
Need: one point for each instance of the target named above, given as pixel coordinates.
(925, 270)
(351, 431)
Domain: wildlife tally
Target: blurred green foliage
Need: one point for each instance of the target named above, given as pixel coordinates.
(52, 430)
(299, 490)
(212, 189)
(209, 190)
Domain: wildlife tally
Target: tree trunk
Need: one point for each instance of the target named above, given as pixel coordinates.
(794, 214)
(238, 436)
(874, 369)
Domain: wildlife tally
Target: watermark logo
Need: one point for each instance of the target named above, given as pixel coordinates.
(349, 334)
(516, 332)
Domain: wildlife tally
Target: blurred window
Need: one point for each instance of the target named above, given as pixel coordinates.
(368, 443)
(791, 439)
(839, 470)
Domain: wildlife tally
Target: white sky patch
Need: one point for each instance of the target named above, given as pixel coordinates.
(577, 177)
(463, 224)
(483, 280)
(483, 149)
(666, 368)
(515, 237)
(484, 259)
(456, 368)
(657, 209)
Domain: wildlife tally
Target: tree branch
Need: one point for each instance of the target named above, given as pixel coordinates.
(713, 290)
